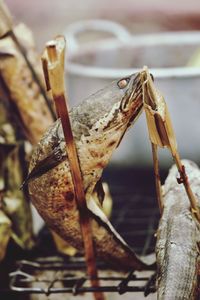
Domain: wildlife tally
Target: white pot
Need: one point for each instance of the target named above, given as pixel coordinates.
(93, 65)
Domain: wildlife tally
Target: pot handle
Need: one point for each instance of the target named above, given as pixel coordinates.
(96, 25)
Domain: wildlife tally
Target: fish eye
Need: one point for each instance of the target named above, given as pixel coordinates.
(123, 83)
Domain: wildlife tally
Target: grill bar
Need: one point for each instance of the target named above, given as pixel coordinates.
(24, 276)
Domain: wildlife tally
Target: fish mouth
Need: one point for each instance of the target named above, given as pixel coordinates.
(133, 92)
(135, 99)
(136, 88)
(137, 110)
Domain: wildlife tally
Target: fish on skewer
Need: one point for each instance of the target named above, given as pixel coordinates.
(178, 239)
(98, 125)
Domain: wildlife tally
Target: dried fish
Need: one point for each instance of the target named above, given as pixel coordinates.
(98, 125)
(178, 239)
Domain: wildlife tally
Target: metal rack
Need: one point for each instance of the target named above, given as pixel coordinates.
(27, 278)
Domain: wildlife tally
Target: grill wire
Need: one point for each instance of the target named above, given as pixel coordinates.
(135, 216)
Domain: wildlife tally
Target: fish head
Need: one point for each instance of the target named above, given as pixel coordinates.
(131, 103)
(130, 88)
(98, 123)
(121, 103)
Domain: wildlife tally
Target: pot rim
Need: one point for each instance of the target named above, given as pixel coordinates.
(148, 40)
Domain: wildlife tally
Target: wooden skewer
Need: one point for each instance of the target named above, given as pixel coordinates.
(184, 179)
(161, 134)
(157, 177)
(53, 62)
(6, 29)
(154, 143)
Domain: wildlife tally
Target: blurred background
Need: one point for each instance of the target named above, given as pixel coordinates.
(48, 18)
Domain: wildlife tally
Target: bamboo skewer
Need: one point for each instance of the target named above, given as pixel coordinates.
(6, 29)
(184, 179)
(157, 177)
(53, 66)
(161, 134)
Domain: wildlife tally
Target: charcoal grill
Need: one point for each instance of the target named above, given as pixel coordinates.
(135, 216)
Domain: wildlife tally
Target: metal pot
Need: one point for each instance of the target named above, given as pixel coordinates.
(92, 65)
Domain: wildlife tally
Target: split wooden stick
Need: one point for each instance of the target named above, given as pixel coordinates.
(6, 28)
(53, 66)
(148, 102)
(161, 134)
(157, 177)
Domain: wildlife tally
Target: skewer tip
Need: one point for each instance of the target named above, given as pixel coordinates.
(52, 51)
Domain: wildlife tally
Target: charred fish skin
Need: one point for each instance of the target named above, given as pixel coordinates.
(98, 125)
(178, 238)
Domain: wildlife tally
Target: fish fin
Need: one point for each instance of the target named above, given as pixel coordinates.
(43, 166)
(96, 210)
(99, 215)
(98, 189)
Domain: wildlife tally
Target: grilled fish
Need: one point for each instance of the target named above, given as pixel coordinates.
(178, 239)
(98, 125)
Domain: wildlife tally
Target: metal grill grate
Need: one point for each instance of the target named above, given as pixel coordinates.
(61, 277)
(137, 221)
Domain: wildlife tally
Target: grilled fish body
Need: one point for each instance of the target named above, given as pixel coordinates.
(98, 125)
(178, 238)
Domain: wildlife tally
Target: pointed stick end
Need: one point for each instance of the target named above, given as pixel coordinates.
(52, 51)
